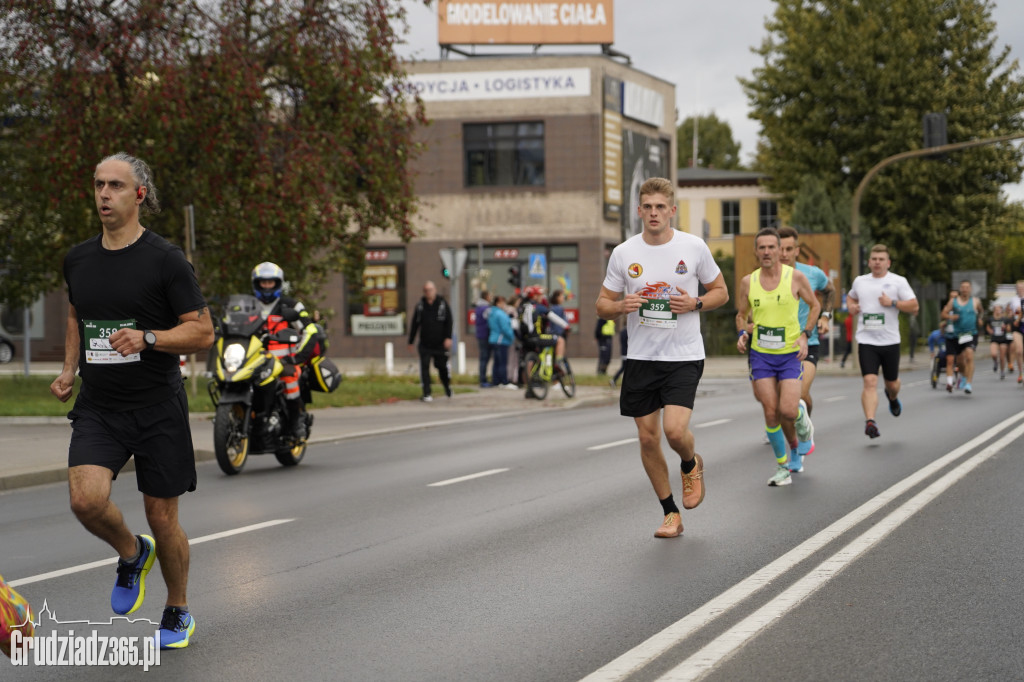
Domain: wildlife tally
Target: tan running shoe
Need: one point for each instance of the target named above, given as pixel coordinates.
(671, 528)
(693, 485)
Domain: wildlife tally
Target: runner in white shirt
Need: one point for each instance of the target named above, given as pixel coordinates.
(1017, 347)
(653, 278)
(877, 299)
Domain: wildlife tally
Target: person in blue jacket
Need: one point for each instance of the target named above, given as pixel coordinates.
(500, 338)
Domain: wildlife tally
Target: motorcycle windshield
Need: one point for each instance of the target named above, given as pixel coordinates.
(243, 316)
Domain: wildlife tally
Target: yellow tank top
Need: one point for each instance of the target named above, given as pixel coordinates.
(776, 315)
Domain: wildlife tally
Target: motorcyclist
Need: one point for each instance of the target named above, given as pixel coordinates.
(535, 318)
(268, 285)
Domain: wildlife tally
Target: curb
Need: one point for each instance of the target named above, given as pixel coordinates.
(59, 474)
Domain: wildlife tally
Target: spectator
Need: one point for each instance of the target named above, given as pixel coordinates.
(501, 337)
(432, 319)
(481, 311)
(848, 327)
(605, 335)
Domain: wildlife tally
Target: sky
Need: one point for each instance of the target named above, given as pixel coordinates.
(702, 47)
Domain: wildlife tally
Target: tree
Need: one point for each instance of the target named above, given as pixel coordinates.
(813, 210)
(286, 124)
(716, 147)
(846, 84)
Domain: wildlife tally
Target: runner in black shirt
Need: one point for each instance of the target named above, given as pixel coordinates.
(135, 305)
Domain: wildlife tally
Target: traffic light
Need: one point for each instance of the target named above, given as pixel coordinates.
(515, 277)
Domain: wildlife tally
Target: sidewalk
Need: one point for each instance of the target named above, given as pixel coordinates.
(33, 450)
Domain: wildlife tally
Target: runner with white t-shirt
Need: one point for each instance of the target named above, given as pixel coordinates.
(653, 278)
(877, 299)
(1017, 344)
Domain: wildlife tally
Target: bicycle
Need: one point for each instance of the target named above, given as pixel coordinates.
(542, 372)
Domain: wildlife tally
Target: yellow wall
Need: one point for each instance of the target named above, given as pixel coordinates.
(683, 215)
(748, 216)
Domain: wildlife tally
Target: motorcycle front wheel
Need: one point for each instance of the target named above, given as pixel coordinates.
(230, 444)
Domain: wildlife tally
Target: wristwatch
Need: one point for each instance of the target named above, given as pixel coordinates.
(700, 304)
(827, 315)
(806, 333)
(150, 338)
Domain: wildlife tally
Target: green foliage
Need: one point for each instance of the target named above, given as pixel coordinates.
(286, 124)
(716, 147)
(813, 210)
(846, 84)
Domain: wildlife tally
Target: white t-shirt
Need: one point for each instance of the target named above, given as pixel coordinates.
(654, 272)
(878, 326)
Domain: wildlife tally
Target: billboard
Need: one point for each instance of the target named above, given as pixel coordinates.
(519, 22)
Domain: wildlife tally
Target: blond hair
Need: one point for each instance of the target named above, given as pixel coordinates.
(658, 186)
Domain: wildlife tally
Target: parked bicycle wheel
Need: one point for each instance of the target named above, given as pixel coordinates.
(535, 386)
(568, 381)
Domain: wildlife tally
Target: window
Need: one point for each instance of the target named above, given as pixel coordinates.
(767, 213)
(504, 154)
(730, 217)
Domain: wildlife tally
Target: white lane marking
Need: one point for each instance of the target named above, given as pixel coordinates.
(715, 422)
(647, 651)
(107, 562)
(470, 477)
(719, 649)
(833, 399)
(615, 444)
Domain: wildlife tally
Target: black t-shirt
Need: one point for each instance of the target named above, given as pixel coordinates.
(147, 285)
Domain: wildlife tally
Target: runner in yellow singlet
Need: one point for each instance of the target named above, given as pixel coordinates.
(770, 296)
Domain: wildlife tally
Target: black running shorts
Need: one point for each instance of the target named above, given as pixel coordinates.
(873, 357)
(649, 385)
(954, 346)
(812, 354)
(159, 436)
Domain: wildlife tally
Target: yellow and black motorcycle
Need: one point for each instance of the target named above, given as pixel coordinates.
(252, 415)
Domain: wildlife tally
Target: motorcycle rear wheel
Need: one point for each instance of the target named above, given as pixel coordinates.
(535, 386)
(568, 381)
(230, 445)
(289, 457)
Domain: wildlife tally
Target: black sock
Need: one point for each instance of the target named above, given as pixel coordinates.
(668, 505)
(687, 466)
(138, 552)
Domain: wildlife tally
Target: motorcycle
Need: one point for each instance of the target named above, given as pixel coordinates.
(251, 410)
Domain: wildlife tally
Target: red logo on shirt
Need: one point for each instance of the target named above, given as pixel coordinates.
(635, 270)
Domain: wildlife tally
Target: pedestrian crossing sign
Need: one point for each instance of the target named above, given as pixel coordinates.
(538, 266)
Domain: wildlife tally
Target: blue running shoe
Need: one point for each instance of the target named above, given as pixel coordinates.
(130, 588)
(175, 628)
(895, 406)
(967, 388)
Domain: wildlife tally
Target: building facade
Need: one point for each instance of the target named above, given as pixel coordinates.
(530, 162)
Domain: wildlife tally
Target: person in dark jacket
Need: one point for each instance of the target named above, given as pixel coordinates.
(433, 320)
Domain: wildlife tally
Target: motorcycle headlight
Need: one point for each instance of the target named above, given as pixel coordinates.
(234, 355)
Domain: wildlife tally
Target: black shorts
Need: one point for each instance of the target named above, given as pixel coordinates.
(649, 385)
(159, 436)
(812, 354)
(954, 347)
(873, 357)
(1002, 339)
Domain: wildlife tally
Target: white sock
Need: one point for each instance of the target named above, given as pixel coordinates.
(949, 380)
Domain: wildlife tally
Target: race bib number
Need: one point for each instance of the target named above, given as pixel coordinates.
(874, 320)
(655, 312)
(97, 342)
(965, 339)
(771, 338)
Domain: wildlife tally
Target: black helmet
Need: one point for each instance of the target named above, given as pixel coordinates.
(263, 271)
